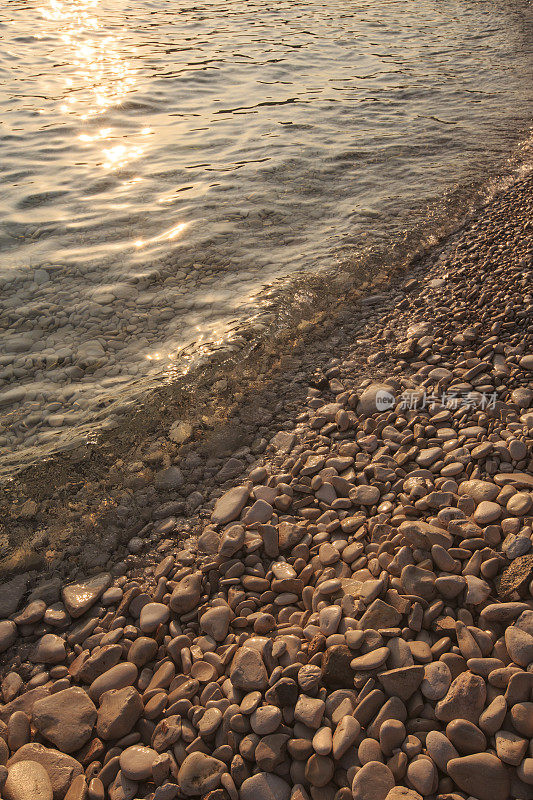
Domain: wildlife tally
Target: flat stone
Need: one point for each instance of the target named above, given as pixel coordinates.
(481, 775)
(418, 581)
(520, 480)
(493, 716)
(248, 671)
(118, 713)
(260, 511)
(50, 649)
(61, 768)
(122, 788)
(271, 751)
(80, 597)
(365, 495)
(309, 711)
(516, 546)
(522, 718)
(477, 590)
(27, 780)
(372, 660)
(522, 396)
(231, 541)
(8, 634)
(422, 775)
(187, 593)
(24, 702)
(402, 682)
(519, 645)
(265, 720)
(119, 676)
(283, 441)
(11, 686)
(376, 398)
(519, 504)
(289, 535)
(487, 512)
(346, 732)
(210, 722)
(101, 660)
(319, 770)
(152, 616)
(422, 534)
(229, 506)
(33, 613)
(440, 749)
(336, 670)
(380, 615)
(465, 699)
(466, 737)
(200, 774)
(65, 718)
(515, 577)
(374, 781)
(215, 622)
(479, 490)
(264, 786)
(437, 680)
(510, 747)
(502, 612)
(136, 762)
(78, 789)
(180, 431)
(230, 470)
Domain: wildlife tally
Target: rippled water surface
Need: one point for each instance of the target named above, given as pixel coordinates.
(163, 162)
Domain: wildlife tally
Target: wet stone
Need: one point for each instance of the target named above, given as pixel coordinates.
(80, 597)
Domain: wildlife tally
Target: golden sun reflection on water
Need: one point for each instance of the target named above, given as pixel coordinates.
(166, 236)
(97, 73)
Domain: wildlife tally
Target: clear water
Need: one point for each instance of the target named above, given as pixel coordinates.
(164, 163)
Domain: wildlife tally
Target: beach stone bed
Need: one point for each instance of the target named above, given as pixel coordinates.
(355, 619)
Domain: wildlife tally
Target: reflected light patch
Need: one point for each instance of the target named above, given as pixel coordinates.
(96, 70)
(166, 236)
(120, 155)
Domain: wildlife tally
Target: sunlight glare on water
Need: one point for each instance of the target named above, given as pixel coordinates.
(167, 166)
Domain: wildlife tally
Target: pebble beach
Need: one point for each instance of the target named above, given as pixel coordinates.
(333, 600)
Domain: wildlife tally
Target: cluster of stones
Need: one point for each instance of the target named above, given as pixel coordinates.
(354, 623)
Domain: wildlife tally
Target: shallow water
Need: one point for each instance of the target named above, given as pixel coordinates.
(164, 165)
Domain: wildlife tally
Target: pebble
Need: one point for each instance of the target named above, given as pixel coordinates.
(373, 782)
(229, 506)
(481, 775)
(200, 774)
(65, 718)
(353, 621)
(8, 634)
(25, 780)
(80, 597)
(50, 649)
(136, 762)
(152, 616)
(61, 768)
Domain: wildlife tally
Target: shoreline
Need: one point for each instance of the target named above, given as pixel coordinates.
(347, 612)
(73, 494)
